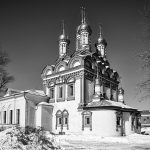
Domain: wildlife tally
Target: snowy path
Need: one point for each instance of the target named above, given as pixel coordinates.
(132, 142)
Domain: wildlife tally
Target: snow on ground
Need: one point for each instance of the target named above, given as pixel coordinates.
(84, 142)
(131, 142)
(20, 139)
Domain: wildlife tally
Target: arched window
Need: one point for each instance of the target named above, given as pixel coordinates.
(62, 119)
(86, 120)
(66, 119)
(58, 119)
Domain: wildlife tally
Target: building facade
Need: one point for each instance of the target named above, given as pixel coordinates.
(82, 94)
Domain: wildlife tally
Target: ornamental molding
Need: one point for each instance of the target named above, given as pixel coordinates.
(64, 78)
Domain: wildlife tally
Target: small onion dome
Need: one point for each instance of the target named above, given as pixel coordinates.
(64, 38)
(120, 91)
(101, 41)
(84, 27)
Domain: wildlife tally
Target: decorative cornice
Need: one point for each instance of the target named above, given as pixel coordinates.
(75, 75)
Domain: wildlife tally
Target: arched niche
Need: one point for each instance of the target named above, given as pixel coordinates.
(48, 70)
(61, 68)
(76, 63)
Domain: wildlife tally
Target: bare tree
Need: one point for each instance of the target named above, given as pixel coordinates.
(5, 78)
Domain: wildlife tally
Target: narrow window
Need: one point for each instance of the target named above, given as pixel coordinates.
(118, 121)
(51, 93)
(11, 117)
(87, 120)
(17, 116)
(59, 120)
(4, 117)
(60, 92)
(71, 90)
(65, 121)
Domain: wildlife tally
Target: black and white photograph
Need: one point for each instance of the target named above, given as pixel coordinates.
(75, 75)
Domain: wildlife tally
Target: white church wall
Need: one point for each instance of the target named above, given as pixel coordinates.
(104, 123)
(71, 106)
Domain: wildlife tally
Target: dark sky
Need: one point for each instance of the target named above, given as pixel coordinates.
(29, 32)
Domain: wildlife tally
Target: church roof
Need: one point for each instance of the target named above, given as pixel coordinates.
(36, 92)
(36, 96)
(11, 92)
(108, 103)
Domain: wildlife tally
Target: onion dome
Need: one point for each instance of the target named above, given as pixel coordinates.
(121, 91)
(84, 26)
(63, 36)
(101, 40)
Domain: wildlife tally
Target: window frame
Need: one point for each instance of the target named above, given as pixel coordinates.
(119, 124)
(58, 117)
(71, 81)
(85, 115)
(87, 121)
(62, 98)
(51, 99)
(65, 115)
(62, 115)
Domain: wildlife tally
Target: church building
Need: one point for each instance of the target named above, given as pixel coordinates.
(81, 93)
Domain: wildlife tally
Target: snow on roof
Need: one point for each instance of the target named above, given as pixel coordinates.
(11, 92)
(109, 103)
(36, 92)
(36, 96)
